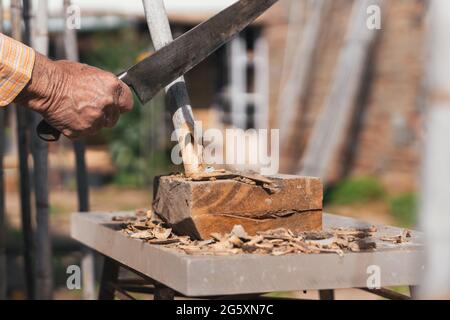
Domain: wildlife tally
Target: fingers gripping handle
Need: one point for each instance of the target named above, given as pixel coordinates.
(46, 132)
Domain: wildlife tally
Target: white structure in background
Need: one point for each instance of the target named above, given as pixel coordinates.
(134, 7)
(261, 62)
(111, 13)
(238, 64)
(203, 8)
(241, 63)
(434, 211)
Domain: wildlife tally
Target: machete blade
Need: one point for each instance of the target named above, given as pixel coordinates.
(152, 74)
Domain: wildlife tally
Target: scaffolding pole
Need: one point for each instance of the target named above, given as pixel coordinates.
(3, 274)
(39, 149)
(23, 148)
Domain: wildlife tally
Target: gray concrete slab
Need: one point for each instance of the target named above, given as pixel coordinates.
(243, 274)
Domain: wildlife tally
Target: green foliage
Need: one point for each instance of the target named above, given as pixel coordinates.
(55, 210)
(355, 190)
(114, 51)
(404, 209)
(133, 151)
(14, 238)
(124, 145)
(361, 190)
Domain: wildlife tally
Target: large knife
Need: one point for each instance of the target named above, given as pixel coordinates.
(152, 74)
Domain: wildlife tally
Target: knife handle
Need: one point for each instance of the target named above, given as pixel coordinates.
(46, 132)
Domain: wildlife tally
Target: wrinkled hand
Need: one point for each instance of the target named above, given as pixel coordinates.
(76, 99)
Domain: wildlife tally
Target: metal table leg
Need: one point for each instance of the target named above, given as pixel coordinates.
(162, 292)
(109, 279)
(413, 292)
(326, 294)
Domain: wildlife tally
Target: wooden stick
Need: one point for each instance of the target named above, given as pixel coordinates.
(25, 187)
(329, 132)
(87, 261)
(178, 98)
(3, 273)
(39, 149)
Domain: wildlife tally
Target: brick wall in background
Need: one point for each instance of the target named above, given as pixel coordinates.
(386, 141)
(388, 144)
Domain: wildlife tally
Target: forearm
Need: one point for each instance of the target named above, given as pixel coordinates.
(44, 87)
(16, 67)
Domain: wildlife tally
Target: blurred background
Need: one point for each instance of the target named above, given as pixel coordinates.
(360, 120)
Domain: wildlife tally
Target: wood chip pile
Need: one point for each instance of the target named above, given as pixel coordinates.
(276, 242)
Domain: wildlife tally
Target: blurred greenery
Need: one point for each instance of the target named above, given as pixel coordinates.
(13, 238)
(116, 50)
(135, 154)
(404, 209)
(363, 190)
(58, 210)
(355, 190)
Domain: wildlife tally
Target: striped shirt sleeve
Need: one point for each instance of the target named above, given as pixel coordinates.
(16, 66)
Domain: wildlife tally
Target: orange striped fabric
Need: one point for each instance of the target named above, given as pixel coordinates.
(16, 66)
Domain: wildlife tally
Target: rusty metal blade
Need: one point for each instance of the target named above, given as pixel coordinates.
(149, 76)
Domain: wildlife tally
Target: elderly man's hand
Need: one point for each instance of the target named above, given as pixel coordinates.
(74, 98)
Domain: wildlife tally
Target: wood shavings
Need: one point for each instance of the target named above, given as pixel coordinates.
(144, 235)
(265, 246)
(239, 231)
(150, 231)
(205, 242)
(235, 241)
(398, 239)
(164, 242)
(161, 233)
(281, 251)
(322, 243)
(277, 242)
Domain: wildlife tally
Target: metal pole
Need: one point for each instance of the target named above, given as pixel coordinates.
(39, 149)
(25, 187)
(87, 261)
(3, 275)
(177, 94)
